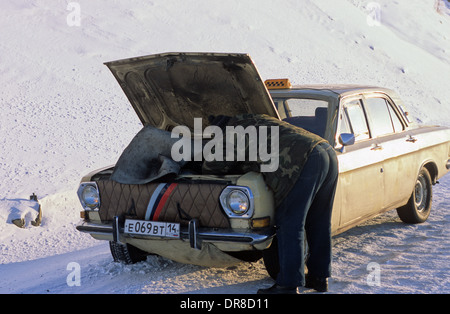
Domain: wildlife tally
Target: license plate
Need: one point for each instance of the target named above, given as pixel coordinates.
(152, 228)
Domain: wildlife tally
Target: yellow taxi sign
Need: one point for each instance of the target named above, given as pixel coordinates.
(278, 84)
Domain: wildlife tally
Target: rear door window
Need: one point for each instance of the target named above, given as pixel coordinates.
(382, 117)
(398, 126)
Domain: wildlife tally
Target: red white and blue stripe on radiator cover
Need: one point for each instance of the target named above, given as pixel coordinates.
(158, 200)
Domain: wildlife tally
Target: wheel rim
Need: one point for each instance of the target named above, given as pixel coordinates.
(420, 194)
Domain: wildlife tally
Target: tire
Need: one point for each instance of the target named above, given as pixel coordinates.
(126, 253)
(418, 208)
(271, 260)
(247, 256)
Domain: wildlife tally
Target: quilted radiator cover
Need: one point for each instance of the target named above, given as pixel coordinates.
(170, 202)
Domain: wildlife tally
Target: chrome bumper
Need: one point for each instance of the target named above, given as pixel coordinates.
(192, 233)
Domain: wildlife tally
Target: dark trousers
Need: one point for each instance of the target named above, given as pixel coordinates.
(307, 210)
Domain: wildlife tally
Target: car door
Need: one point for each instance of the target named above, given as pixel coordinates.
(396, 146)
(361, 185)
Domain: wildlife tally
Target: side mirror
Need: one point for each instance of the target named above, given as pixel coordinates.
(347, 139)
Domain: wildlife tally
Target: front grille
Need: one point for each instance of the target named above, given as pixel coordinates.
(170, 202)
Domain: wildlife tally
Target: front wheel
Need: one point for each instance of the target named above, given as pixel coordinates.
(418, 207)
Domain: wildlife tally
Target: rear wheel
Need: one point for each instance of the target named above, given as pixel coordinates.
(418, 207)
(126, 253)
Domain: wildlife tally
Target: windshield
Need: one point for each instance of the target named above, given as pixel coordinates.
(309, 114)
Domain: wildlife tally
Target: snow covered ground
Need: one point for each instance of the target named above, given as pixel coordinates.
(63, 115)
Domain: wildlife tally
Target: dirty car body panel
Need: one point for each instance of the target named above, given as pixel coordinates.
(381, 154)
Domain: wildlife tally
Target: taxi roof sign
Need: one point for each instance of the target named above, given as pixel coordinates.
(278, 84)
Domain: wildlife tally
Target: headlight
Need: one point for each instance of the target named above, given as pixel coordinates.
(89, 195)
(237, 201)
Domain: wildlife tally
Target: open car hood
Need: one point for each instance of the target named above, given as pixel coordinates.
(172, 89)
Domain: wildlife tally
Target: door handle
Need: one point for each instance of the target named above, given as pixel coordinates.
(376, 147)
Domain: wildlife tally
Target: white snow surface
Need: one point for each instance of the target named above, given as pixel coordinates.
(63, 115)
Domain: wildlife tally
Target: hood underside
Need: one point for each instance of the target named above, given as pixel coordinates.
(172, 89)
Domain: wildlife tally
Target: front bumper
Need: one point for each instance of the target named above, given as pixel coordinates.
(192, 233)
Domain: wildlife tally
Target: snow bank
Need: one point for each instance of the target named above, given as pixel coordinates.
(21, 212)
